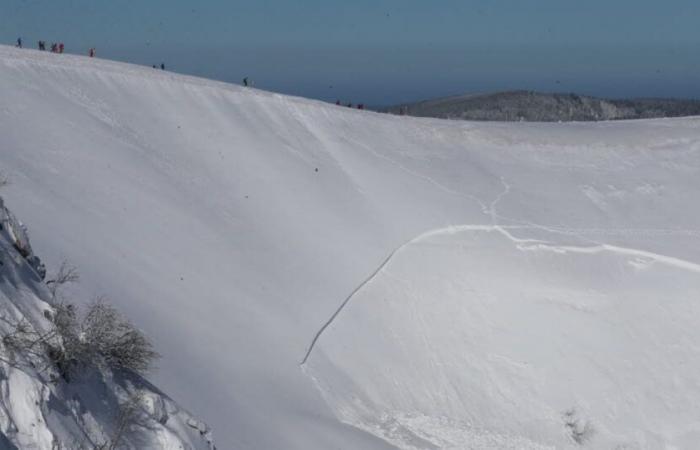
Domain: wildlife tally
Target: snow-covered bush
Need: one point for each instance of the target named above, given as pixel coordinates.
(22, 342)
(44, 339)
(109, 337)
(100, 337)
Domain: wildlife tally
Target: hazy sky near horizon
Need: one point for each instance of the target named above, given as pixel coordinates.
(388, 51)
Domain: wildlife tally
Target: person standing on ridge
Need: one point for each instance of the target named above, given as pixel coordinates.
(60, 47)
(162, 66)
(19, 42)
(245, 81)
(42, 45)
(92, 52)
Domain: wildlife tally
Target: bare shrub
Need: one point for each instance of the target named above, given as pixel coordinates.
(128, 415)
(67, 356)
(101, 337)
(66, 274)
(109, 337)
(22, 338)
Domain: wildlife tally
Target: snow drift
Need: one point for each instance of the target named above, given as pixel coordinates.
(464, 285)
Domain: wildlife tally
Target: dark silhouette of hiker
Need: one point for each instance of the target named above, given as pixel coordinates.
(42, 45)
(19, 42)
(54, 47)
(162, 66)
(245, 81)
(60, 47)
(92, 52)
(154, 66)
(349, 105)
(361, 106)
(337, 102)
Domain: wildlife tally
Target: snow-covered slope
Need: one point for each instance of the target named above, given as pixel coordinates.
(38, 408)
(464, 285)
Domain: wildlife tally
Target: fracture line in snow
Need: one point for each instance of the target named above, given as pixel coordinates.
(581, 232)
(439, 231)
(530, 244)
(496, 217)
(499, 197)
(523, 245)
(345, 302)
(667, 260)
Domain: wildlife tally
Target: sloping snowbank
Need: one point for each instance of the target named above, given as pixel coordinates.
(39, 409)
(197, 207)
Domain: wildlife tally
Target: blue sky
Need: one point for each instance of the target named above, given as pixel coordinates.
(388, 51)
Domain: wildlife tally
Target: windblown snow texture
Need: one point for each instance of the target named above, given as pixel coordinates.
(447, 284)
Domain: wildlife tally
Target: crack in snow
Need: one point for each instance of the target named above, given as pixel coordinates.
(523, 244)
(435, 232)
(667, 260)
(499, 197)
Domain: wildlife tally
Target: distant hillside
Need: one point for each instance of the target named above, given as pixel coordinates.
(542, 107)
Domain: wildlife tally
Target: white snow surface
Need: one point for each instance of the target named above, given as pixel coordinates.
(466, 285)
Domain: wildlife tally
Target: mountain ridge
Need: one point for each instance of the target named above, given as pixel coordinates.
(532, 106)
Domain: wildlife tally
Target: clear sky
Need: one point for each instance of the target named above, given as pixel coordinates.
(388, 51)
